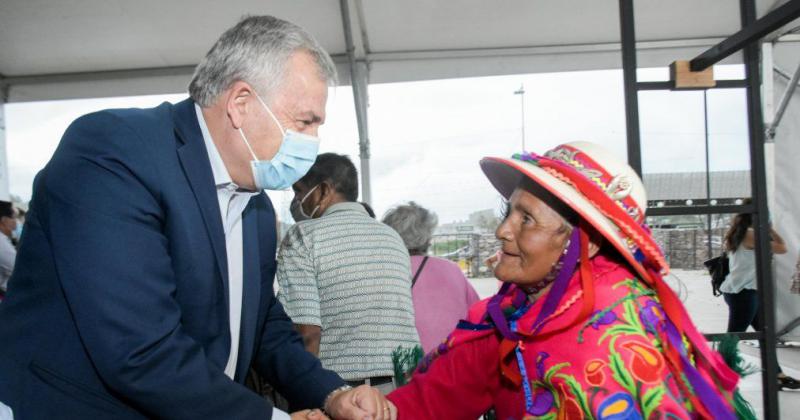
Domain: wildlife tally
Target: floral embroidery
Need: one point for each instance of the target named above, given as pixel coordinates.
(647, 364)
(634, 360)
(601, 319)
(570, 409)
(652, 317)
(625, 375)
(594, 372)
(543, 401)
(619, 406)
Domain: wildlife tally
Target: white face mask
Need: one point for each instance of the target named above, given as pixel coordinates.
(294, 158)
(300, 206)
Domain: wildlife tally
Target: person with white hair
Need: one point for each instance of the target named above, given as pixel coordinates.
(144, 285)
(441, 293)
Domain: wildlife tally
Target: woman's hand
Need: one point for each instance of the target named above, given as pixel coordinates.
(361, 403)
(777, 242)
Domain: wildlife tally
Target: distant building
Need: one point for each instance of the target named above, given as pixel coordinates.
(483, 218)
(481, 221)
(689, 188)
(455, 228)
(687, 240)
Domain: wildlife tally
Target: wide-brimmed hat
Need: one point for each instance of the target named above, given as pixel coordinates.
(601, 188)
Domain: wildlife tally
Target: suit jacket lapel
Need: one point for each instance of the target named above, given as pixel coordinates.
(197, 167)
(251, 288)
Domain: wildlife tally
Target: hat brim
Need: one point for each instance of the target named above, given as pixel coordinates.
(506, 174)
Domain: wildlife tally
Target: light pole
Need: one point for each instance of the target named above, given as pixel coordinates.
(521, 93)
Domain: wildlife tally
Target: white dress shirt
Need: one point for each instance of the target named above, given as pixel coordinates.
(232, 202)
(7, 256)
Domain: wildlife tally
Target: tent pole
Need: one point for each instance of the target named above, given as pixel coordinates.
(761, 226)
(5, 193)
(628, 38)
(358, 80)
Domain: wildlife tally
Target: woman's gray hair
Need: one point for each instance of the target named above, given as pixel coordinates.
(255, 51)
(415, 224)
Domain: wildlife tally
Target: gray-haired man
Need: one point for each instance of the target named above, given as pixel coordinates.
(149, 253)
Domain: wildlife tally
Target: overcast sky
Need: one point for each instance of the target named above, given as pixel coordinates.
(427, 137)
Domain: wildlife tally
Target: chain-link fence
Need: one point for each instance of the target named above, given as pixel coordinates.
(688, 248)
(468, 250)
(688, 241)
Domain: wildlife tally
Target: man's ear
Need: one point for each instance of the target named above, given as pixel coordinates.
(326, 190)
(238, 103)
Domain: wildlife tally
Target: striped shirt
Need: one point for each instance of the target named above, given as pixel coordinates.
(350, 275)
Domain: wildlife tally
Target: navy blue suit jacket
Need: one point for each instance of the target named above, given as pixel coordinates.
(118, 306)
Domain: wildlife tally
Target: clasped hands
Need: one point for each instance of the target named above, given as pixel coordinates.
(360, 403)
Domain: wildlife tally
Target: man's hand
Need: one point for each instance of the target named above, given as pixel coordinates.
(362, 403)
(314, 414)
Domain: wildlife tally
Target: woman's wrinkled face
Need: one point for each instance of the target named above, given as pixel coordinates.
(533, 236)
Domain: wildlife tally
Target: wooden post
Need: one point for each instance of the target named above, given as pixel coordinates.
(683, 77)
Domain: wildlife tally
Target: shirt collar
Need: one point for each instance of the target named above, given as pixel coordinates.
(345, 206)
(221, 176)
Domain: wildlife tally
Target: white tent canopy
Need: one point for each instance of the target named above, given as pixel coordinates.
(95, 48)
(99, 48)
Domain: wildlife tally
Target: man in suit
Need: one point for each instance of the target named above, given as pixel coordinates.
(143, 285)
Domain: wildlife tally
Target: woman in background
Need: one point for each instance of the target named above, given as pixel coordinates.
(739, 288)
(441, 293)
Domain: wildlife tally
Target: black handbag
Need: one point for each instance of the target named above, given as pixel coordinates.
(718, 267)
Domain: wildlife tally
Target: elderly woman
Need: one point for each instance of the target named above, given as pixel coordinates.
(584, 326)
(441, 293)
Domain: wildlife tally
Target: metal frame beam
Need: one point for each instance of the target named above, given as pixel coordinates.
(628, 37)
(370, 57)
(750, 33)
(740, 335)
(697, 210)
(745, 39)
(721, 84)
(98, 75)
(784, 103)
(782, 73)
(536, 50)
(359, 81)
(766, 290)
(5, 193)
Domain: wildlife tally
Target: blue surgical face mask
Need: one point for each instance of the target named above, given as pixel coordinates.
(294, 158)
